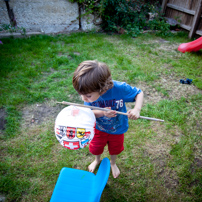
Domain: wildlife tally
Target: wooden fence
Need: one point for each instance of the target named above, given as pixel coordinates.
(187, 12)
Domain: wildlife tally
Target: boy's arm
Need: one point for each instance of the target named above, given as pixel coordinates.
(99, 113)
(135, 113)
(132, 114)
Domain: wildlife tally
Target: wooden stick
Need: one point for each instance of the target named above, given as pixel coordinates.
(104, 109)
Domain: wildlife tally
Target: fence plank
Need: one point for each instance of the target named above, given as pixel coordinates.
(196, 19)
(185, 26)
(199, 32)
(184, 10)
(164, 6)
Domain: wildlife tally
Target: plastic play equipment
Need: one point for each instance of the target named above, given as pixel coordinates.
(81, 186)
(75, 127)
(191, 46)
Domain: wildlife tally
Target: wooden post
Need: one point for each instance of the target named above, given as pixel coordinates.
(164, 3)
(80, 7)
(10, 14)
(196, 19)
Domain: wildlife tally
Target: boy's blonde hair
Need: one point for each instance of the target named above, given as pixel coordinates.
(92, 76)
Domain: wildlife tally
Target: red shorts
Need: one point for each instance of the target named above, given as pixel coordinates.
(115, 143)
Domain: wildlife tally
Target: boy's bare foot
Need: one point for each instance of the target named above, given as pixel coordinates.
(115, 170)
(93, 166)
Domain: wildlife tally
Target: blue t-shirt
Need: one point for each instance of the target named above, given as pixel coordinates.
(115, 98)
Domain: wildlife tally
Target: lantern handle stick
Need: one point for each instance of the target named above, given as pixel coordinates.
(104, 109)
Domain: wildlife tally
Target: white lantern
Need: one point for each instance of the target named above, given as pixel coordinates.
(75, 127)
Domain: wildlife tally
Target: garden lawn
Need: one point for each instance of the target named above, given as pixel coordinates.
(161, 161)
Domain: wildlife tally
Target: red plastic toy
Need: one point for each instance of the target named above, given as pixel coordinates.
(191, 46)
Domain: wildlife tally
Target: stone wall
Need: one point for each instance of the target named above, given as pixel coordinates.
(48, 16)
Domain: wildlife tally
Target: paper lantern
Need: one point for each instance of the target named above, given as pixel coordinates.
(75, 127)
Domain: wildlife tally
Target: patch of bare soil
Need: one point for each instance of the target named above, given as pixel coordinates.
(158, 149)
(38, 114)
(177, 90)
(171, 85)
(164, 45)
(2, 119)
(151, 95)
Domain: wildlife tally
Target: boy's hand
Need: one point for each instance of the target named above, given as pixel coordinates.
(133, 114)
(110, 113)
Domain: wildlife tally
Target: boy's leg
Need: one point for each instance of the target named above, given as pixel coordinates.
(96, 147)
(115, 169)
(115, 146)
(94, 164)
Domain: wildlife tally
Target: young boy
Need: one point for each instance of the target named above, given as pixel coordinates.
(92, 80)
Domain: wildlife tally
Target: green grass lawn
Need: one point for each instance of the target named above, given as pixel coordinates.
(161, 161)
